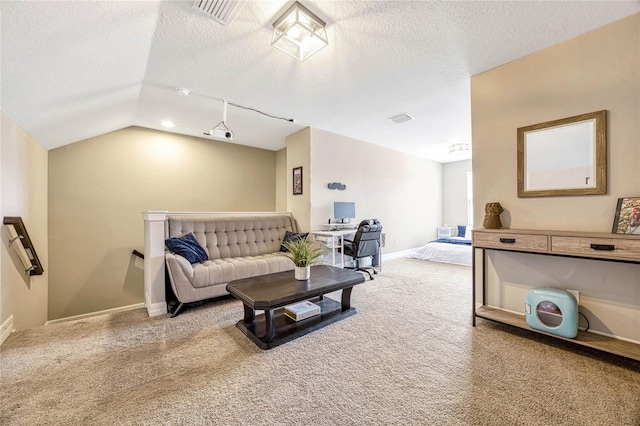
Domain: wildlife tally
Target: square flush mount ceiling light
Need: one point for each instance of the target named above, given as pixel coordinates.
(299, 33)
(458, 148)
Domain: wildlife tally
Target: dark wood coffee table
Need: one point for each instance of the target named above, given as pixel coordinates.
(272, 292)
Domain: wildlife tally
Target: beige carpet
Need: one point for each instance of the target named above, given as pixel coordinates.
(408, 357)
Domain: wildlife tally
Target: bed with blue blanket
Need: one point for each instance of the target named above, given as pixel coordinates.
(455, 249)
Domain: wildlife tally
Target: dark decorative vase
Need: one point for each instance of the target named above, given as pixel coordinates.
(492, 216)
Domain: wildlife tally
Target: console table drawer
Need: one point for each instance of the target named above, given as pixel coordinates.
(597, 247)
(510, 241)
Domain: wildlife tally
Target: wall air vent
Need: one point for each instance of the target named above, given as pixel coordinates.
(401, 118)
(223, 11)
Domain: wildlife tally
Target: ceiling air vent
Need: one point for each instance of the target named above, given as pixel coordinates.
(222, 11)
(401, 118)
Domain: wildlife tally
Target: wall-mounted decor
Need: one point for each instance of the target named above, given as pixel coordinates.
(627, 219)
(563, 157)
(20, 241)
(297, 181)
(337, 185)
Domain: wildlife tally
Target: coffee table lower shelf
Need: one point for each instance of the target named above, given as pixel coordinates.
(287, 329)
(592, 340)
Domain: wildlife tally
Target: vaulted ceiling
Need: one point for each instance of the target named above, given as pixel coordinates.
(72, 70)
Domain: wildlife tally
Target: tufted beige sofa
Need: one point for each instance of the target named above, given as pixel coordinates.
(238, 247)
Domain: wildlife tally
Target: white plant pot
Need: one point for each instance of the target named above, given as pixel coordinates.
(303, 272)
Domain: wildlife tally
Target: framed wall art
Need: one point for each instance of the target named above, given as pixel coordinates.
(297, 181)
(627, 218)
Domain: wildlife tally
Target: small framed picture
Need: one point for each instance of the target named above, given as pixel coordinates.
(627, 219)
(297, 181)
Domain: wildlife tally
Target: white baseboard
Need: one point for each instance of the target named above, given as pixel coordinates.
(396, 254)
(97, 313)
(5, 329)
(154, 309)
(157, 309)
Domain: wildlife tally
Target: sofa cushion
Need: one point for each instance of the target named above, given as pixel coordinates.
(188, 247)
(292, 236)
(221, 271)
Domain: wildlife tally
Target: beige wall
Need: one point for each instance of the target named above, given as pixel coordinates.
(299, 154)
(598, 70)
(23, 193)
(281, 180)
(99, 187)
(595, 71)
(402, 191)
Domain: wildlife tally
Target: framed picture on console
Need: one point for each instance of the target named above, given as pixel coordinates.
(627, 218)
(297, 181)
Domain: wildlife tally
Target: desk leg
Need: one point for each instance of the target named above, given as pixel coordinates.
(249, 315)
(333, 253)
(269, 322)
(346, 298)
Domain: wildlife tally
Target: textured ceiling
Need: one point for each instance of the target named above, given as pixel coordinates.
(72, 70)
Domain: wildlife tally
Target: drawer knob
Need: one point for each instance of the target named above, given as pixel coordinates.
(508, 240)
(603, 247)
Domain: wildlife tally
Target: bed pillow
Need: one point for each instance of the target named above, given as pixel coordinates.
(467, 234)
(188, 247)
(292, 236)
(462, 229)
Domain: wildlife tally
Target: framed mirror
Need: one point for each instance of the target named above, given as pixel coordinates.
(563, 157)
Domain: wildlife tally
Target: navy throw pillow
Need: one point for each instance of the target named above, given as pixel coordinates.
(292, 236)
(188, 247)
(462, 229)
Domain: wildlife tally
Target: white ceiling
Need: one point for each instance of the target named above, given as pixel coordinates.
(72, 70)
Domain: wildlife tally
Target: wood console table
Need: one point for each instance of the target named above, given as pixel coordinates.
(594, 246)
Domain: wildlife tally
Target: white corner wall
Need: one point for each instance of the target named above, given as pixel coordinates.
(299, 155)
(281, 180)
(23, 191)
(454, 192)
(402, 191)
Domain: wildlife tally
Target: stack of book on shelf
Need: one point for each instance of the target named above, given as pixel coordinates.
(301, 310)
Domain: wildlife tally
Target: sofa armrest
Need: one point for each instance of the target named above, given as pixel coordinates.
(180, 272)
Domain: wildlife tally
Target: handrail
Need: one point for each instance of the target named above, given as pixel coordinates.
(19, 239)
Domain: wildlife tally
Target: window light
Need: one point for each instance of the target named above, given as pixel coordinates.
(299, 32)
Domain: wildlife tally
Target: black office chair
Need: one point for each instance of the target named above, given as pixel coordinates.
(366, 243)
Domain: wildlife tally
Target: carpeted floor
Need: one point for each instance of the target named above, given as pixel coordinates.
(409, 356)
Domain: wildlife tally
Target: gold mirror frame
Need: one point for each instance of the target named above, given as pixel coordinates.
(599, 151)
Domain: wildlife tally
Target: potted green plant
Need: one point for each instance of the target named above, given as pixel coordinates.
(303, 253)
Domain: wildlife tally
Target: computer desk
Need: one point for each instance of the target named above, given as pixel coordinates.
(333, 244)
(341, 234)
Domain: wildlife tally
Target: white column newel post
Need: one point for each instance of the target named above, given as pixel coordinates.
(154, 290)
